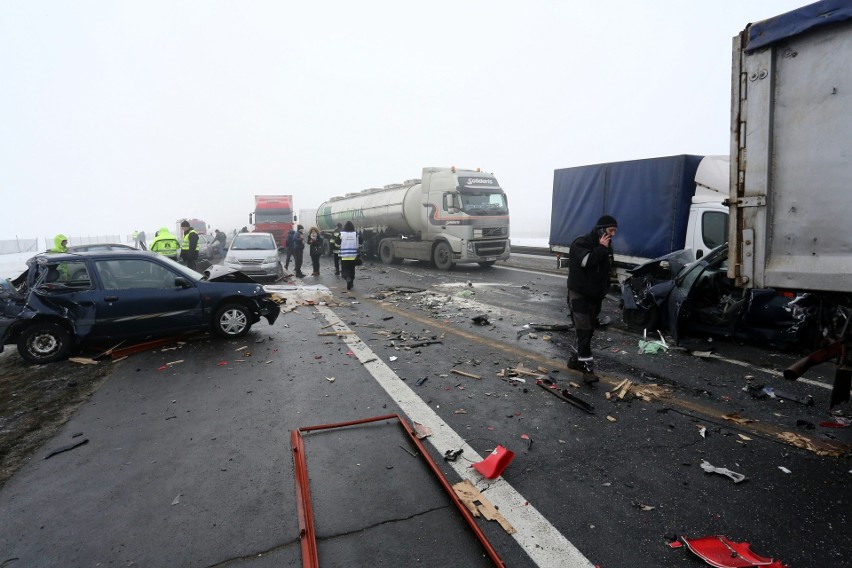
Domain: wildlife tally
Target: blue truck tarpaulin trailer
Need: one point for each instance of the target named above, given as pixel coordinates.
(649, 198)
(766, 32)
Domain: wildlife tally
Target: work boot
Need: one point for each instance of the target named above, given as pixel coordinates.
(573, 363)
(588, 370)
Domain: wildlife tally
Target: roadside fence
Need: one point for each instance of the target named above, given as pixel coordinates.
(16, 245)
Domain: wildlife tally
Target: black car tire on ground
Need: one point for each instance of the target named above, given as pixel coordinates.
(232, 320)
(44, 342)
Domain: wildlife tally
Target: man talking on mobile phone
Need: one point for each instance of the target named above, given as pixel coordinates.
(589, 263)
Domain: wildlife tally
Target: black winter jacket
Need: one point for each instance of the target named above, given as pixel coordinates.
(593, 279)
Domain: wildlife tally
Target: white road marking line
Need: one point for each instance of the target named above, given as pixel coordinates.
(772, 372)
(545, 545)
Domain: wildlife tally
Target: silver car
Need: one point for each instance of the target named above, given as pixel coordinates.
(256, 255)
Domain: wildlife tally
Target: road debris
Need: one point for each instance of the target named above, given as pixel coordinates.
(647, 393)
(565, 395)
(453, 455)
(479, 505)
(736, 418)
(421, 431)
(709, 468)
(496, 462)
(721, 552)
(409, 452)
(464, 374)
(819, 447)
(67, 448)
(481, 319)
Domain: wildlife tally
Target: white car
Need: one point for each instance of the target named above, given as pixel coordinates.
(256, 255)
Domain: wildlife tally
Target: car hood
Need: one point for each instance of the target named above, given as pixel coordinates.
(220, 273)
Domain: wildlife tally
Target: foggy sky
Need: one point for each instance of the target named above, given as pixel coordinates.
(117, 116)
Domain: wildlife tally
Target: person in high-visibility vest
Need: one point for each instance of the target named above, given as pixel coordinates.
(189, 245)
(165, 244)
(60, 243)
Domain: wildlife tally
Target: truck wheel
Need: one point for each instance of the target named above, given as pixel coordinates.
(641, 318)
(232, 320)
(44, 342)
(442, 256)
(386, 253)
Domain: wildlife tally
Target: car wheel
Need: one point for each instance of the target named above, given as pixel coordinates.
(44, 342)
(641, 318)
(232, 320)
(443, 256)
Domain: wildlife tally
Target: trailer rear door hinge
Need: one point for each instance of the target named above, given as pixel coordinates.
(751, 201)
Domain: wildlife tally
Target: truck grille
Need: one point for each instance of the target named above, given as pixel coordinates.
(491, 248)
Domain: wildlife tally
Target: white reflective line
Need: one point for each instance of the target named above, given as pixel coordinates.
(772, 372)
(545, 545)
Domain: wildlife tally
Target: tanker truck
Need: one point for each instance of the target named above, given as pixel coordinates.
(448, 216)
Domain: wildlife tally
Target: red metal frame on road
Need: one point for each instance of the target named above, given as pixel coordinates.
(307, 535)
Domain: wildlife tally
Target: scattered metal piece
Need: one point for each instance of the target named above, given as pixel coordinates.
(409, 452)
(567, 396)
(421, 381)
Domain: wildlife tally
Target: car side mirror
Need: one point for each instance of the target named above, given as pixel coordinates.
(181, 282)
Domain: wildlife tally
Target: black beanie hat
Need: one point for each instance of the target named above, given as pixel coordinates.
(606, 221)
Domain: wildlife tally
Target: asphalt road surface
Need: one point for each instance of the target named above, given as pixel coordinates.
(188, 459)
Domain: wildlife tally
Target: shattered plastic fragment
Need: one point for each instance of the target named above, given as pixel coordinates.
(495, 463)
(784, 469)
(721, 552)
(736, 477)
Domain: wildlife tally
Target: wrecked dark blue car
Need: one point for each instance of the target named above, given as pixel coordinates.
(64, 300)
(689, 297)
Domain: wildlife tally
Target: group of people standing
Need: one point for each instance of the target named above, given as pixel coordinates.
(343, 244)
